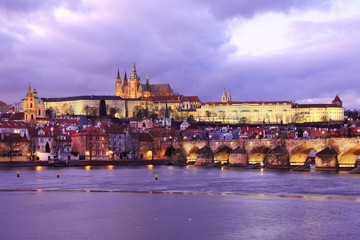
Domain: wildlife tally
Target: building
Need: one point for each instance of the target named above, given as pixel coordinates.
(91, 143)
(318, 112)
(132, 87)
(268, 112)
(86, 105)
(34, 107)
(3, 107)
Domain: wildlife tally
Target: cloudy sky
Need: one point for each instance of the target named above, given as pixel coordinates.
(302, 50)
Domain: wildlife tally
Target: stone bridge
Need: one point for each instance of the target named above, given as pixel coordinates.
(332, 152)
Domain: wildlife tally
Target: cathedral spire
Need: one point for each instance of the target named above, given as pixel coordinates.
(228, 99)
(134, 76)
(35, 94)
(125, 80)
(118, 85)
(29, 93)
(118, 75)
(223, 96)
(147, 80)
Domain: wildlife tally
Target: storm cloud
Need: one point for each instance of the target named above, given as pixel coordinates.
(67, 48)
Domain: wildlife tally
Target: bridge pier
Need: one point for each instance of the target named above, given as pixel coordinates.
(326, 159)
(238, 158)
(278, 158)
(204, 156)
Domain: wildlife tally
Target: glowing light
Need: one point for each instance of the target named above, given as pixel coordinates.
(111, 152)
(87, 153)
(150, 166)
(110, 167)
(87, 168)
(39, 168)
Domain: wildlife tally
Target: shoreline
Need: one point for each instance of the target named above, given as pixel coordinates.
(76, 163)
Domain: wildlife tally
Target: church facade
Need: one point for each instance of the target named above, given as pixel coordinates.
(34, 107)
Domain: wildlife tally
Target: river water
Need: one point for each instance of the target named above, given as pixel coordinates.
(115, 202)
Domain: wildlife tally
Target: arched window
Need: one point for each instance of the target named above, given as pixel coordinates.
(32, 117)
(30, 105)
(39, 112)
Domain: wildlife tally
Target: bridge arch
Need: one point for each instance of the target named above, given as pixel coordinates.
(222, 154)
(169, 151)
(300, 154)
(258, 154)
(191, 156)
(349, 157)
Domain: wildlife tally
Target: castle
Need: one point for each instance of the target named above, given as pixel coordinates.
(132, 87)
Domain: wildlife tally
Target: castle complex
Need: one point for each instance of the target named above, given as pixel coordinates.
(131, 96)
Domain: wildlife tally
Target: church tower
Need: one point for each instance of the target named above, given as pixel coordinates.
(228, 99)
(118, 86)
(223, 97)
(133, 84)
(30, 112)
(337, 101)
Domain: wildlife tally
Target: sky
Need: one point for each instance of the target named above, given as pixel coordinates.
(307, 51)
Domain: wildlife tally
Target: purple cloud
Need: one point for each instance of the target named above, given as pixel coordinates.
(68, 48)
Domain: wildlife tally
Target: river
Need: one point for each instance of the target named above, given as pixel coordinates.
(116, 202)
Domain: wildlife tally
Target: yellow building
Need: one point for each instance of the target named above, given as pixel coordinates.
(34, 107)
(269, 112)
(318, 112)
(86, 105)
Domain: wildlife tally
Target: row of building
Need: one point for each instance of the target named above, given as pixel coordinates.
(134, 99)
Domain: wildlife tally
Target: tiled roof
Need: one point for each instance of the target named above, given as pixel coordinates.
(13, 124)
(90, 131)
(337, 99)
(88, 97)
(17, 116)
(191, 99)
(257, 103)
(314, 105)
(166, 98)
(156, 87)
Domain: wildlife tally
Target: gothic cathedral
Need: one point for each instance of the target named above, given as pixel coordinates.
(132, 87)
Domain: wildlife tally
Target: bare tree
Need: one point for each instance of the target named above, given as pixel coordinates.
(10, 141)
(132, 143)
(116, 143)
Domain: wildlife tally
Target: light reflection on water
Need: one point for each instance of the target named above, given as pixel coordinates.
(183, 179)
(184, 203)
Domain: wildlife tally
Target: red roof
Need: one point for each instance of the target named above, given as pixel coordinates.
(259, 103)
(191, 99)
(13, 124)
(17, 116)
(337, 99)
(166, 98)
(91, 131)
(314, 105)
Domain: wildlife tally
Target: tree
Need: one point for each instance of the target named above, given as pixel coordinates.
(208, 115)
(132, 143)
(32, 147)
(116, 143)
(86, 110)
(102, 108)
(49, 112)
(47, 147)
(113, 111)
(140, 112)
(10, 141)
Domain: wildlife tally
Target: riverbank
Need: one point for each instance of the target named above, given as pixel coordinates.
(74, 163)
